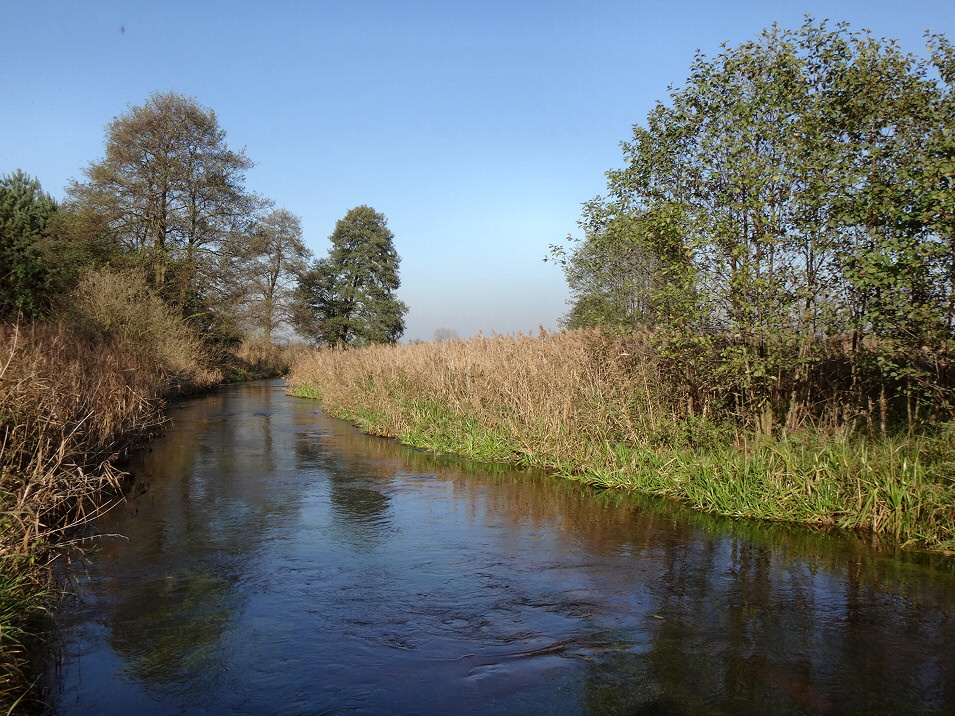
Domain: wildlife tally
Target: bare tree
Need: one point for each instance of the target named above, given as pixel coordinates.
(268, 264)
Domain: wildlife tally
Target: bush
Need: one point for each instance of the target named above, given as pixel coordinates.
(123, 308)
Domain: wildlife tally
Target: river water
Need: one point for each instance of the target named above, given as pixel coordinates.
(271, 559)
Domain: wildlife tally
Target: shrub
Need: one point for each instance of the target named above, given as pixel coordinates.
(121, 307)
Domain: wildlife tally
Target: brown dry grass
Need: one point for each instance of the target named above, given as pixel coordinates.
(65, 405)
(68, 407)
(258, 359)
(75, 394)
(550, 395)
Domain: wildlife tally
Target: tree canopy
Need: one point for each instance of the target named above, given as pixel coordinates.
(25, 210)
(171, 191)
(267, 265)
(349, 296)
(797, 188)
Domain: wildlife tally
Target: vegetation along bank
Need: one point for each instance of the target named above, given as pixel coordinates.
(610, 410)
(111, 302)
(764, 305)
(762, 323)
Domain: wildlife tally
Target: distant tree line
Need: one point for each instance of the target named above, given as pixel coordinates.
(167, 204)
(784, 227)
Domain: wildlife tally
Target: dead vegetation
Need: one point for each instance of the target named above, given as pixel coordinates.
(75, 395)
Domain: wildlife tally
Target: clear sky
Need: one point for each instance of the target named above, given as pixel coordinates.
(477, 128)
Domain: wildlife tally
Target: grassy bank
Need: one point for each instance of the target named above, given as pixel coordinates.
(593, 407)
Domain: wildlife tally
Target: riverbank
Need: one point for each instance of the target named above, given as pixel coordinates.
(74, 400)
(586, 405)
(70, 406)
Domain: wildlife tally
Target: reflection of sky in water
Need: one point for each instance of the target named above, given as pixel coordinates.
(278, 561)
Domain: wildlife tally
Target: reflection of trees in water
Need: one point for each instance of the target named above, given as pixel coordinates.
(358, 469)
(168, 628)
(213, 488)
(355, 487)
(732, 615)
(212, 478)
(712, 614)
(728, 615)
(742, 628)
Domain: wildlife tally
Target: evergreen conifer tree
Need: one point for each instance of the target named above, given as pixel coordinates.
(349, 296)
(24, 211)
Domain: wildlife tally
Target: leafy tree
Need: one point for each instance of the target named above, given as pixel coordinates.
(796, 189)
(25, 210)
(349, 296)
(611, 277)
(268, 265)
(75, 240)
(171, 191)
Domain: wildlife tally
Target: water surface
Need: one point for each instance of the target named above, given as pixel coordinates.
(270, 559)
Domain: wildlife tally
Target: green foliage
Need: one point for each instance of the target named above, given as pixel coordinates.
(76, 240)
(611, 275)
(795, 193)
(25, 210)
(349, 296)
(307, 391)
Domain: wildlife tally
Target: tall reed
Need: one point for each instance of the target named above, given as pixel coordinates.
(68, 408)
(256, 358)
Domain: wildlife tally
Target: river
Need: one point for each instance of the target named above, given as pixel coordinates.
(269, 559)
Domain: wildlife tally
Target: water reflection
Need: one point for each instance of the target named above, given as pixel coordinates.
(280, 562)
(168, 629)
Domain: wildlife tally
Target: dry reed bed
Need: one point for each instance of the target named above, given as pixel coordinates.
(603, 409)
(257, 359)
(65, 402)
(546, 396)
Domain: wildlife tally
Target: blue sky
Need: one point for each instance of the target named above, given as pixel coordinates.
(477, 128)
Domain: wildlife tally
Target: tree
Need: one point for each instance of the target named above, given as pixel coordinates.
(25, 210)
(797, 188)
(349, 296)
(171, 190)
(269, 264)
(611, 277)
(77, 239)
(442, 334)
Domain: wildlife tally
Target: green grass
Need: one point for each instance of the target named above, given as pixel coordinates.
(439, 430)
(24, 609)
(307, 391)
